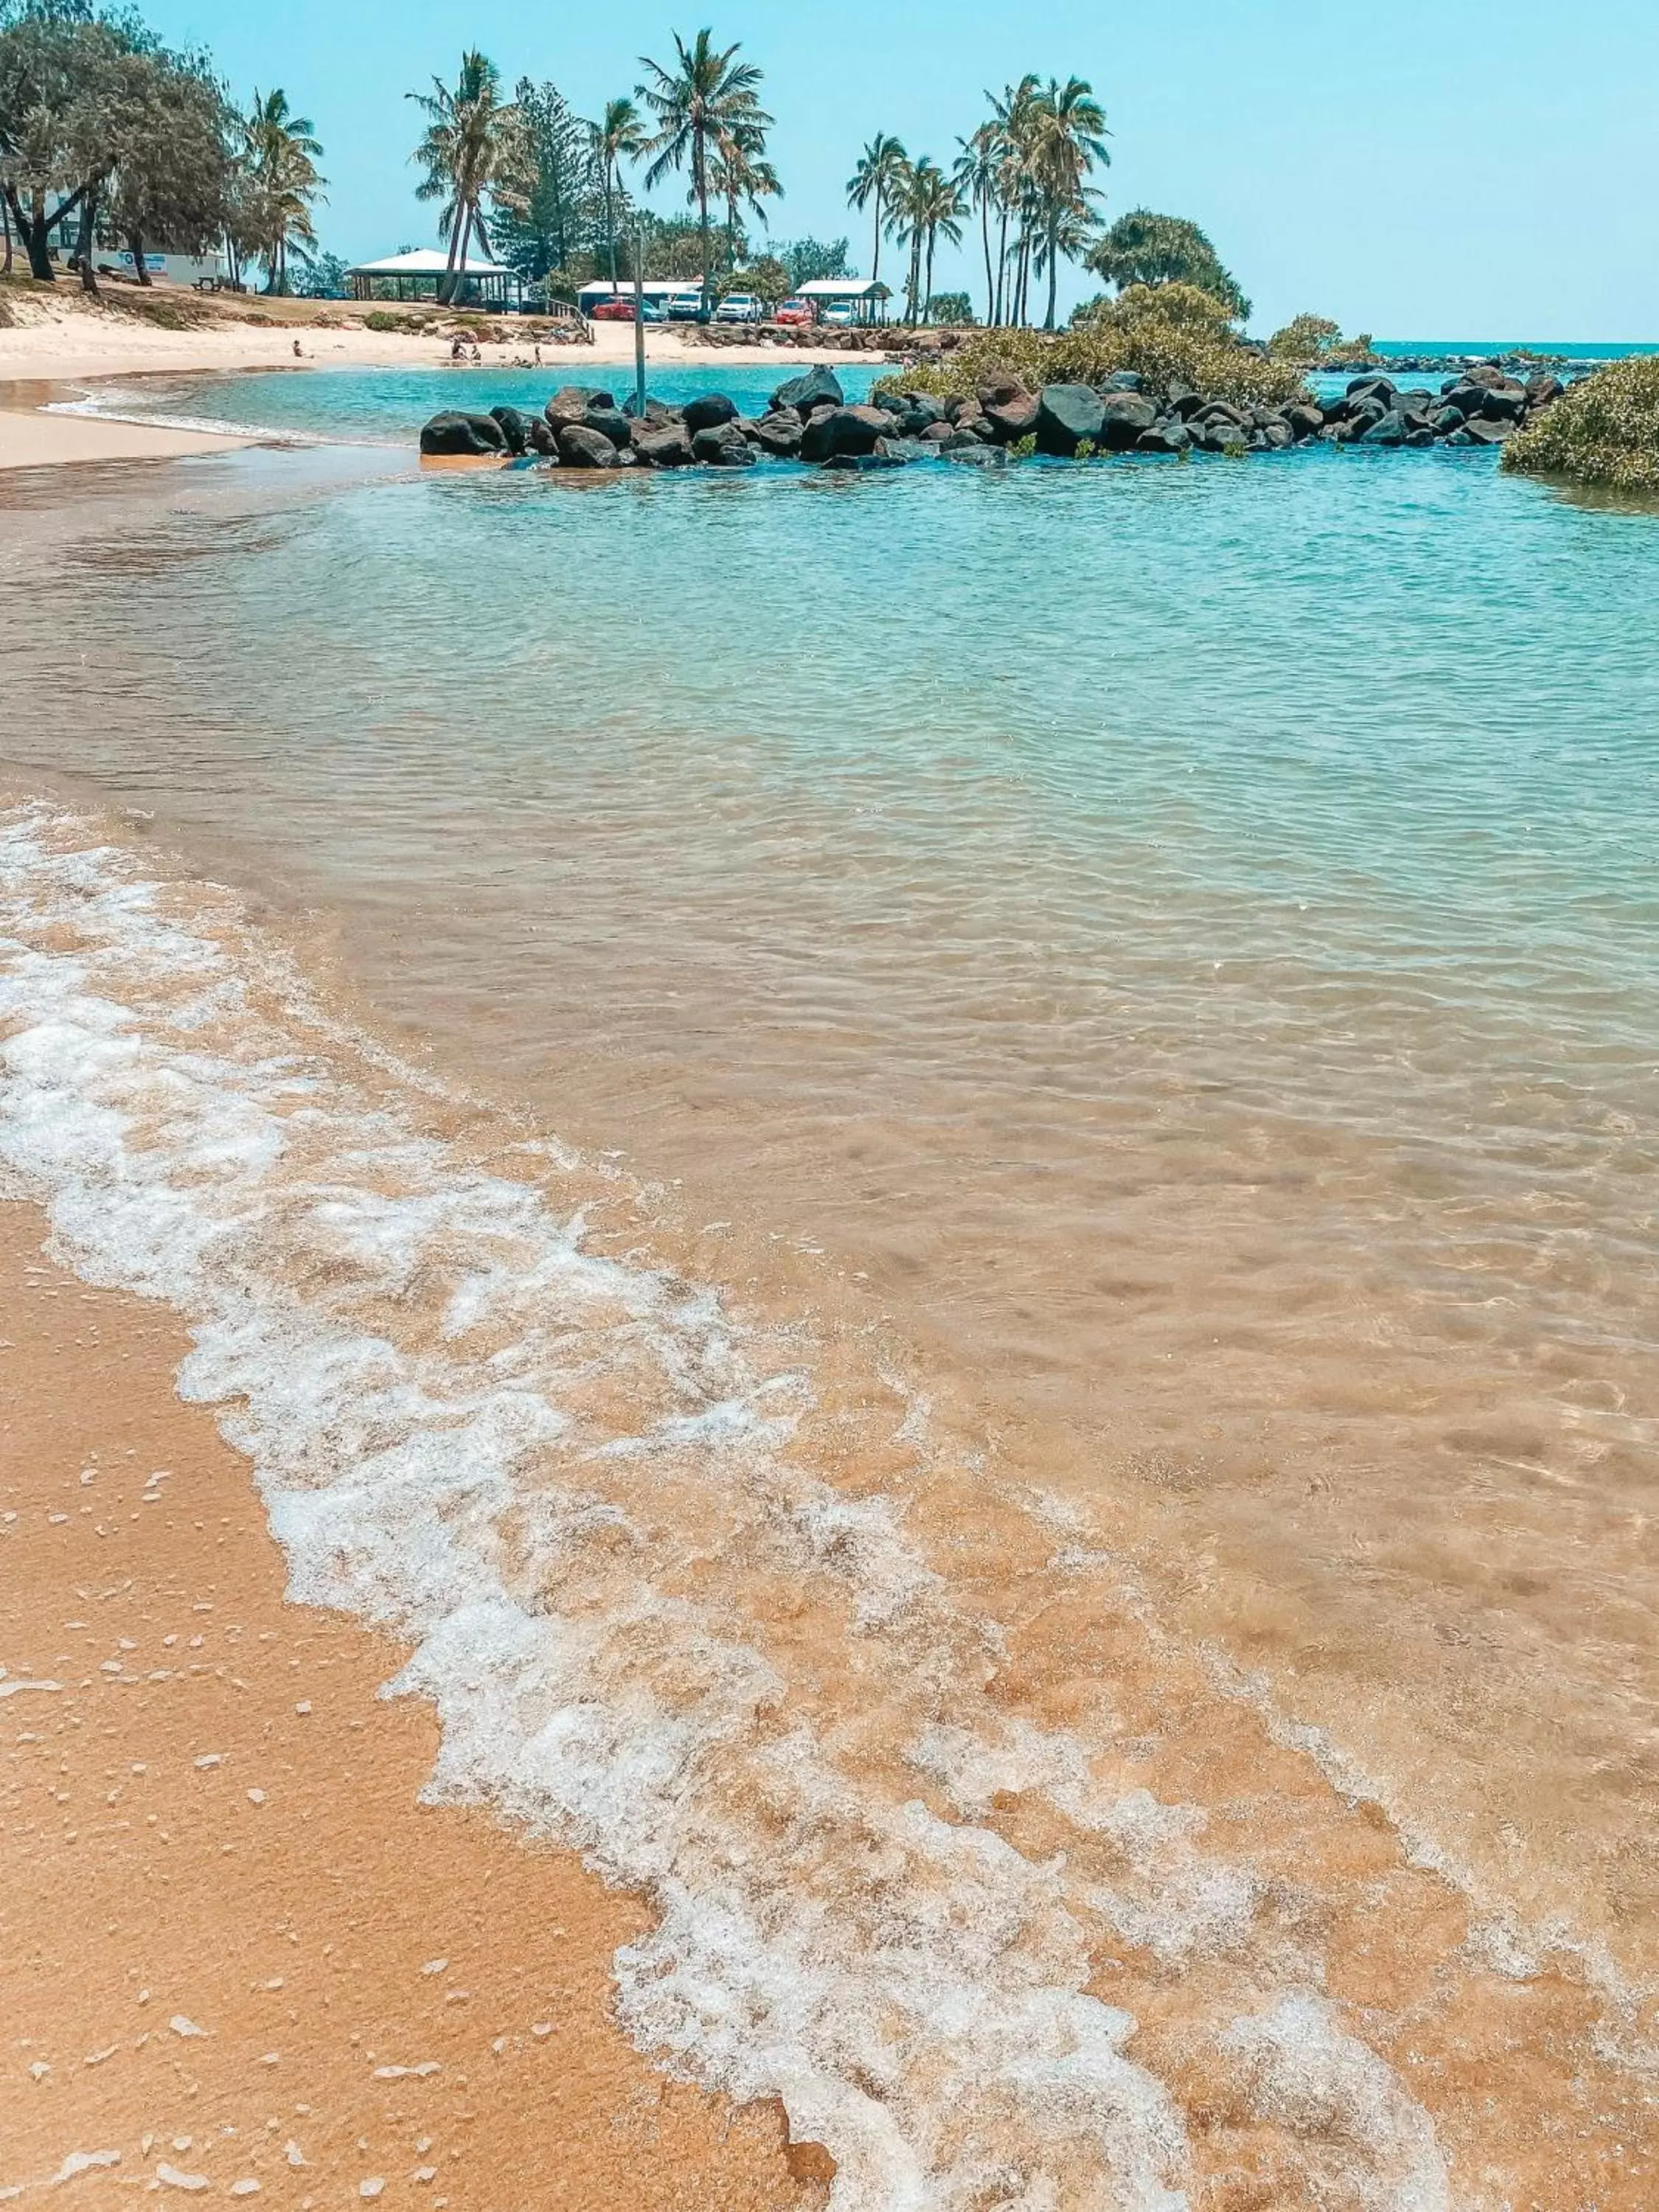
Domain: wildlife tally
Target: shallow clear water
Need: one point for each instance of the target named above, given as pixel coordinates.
(1152, 965)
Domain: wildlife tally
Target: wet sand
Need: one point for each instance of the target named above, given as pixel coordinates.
(234, 1950)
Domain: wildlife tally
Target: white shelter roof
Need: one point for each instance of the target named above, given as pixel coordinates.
(426, 261)
(842, 287)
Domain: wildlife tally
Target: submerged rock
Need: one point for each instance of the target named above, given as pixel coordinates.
(722, 446)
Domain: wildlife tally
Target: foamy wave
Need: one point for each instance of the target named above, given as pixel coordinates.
(101, 408)
(649, 1628)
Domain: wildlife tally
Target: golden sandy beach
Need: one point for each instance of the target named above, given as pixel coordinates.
(235, 1952)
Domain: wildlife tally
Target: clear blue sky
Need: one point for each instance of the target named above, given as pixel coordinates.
(1473, 168)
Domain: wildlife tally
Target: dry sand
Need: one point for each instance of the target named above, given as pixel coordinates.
(235, 1950)
(55, 348)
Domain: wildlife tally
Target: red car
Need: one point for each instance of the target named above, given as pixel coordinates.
(611, 311)
(795, 311)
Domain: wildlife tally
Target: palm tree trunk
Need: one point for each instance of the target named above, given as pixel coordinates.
(135, 249)
(985, 234)
(1002, 261)
(875, 256)
(5, 225)
(89, 222)
(610, 220)
(927, 297)
(1053, 268)
(446, 287)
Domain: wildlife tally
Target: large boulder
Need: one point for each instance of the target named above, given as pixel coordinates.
(515, 428)
(469, 436)
(572, 401)
(843, 432)
(818, 387)
(1013, 418)
(542, 440)
(721, 446)
(1543, 389)
(1483, 431)
(1366, 388)
(1068, 415)
(999, 388)
(582, 448)
(1304, 419)
(1169, 437)
(663, 445)
(1388, 430)
(1124, 415)
(778, 434)
(610, 422)
(708, 410)
(1504, 402)
(1123, 379)
(655, 411)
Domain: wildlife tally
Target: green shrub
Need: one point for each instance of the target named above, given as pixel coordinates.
(1167, 333)
(1603, 431)
(379, 319)
(1023, 448)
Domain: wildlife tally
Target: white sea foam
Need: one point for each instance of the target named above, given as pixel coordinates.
(571, 1483)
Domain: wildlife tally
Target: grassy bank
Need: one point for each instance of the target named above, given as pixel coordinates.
(1603, 431)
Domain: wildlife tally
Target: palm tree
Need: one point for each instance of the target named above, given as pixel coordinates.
(881, 168)
(742, 178)
(472, 145)
(976, 175)
(1009, 129)
(280, 151)
(928, 203)
(1066, 138)
(618, 136)
(701, 101)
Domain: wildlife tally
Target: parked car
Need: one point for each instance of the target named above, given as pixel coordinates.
(684, 307)
(738, 308)
(839, 313)
(653, 311)
(796, 312)
(619, 310)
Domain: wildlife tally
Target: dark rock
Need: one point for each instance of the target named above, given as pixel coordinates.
(515, 428)
(778, 434)
(819, 387)
(1172, 437)
(1486, 372)
(453, 434)
(1544, 390)
(1304, 421)
(1423, 437)
(998, 391)
(1123, 417)
(1218, 435)
(721, 445)
(1221, 411)
(1067, 414)
(1278, 435)
(663, 445)
(572, 401)
(1390, 430)
(1444, 420)
(1505, 404)
(582, 448)
(542, 440)
(707, 411)
(1484, 431)
(1013, 418)
(1361, 388)
(879, 457)
(611, 422)
(978, 456)
(1121, 379)
(1184, 401)
(835, 431)
(656, 410)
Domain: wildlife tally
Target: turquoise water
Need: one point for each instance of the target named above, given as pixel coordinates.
(1158, 957)
(391, 404)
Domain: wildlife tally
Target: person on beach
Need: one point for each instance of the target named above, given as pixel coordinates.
(298, 354)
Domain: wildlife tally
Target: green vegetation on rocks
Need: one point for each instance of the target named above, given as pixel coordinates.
(1168, 335)
(1604, 430)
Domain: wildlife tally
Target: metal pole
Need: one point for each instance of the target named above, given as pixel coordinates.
(638, 321)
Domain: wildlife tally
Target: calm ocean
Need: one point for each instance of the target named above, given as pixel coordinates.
(952, 1182)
